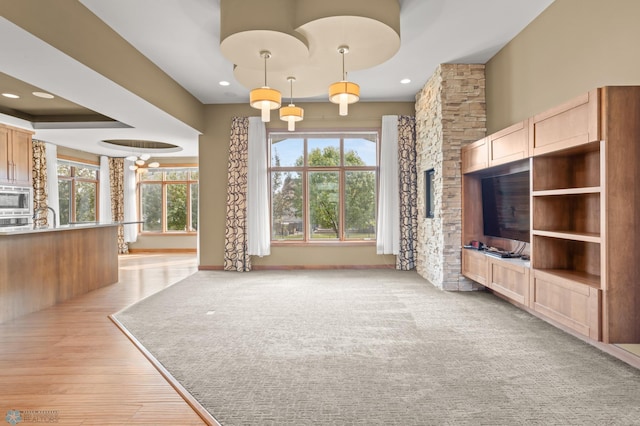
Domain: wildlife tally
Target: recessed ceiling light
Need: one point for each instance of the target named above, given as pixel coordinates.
(224, 83)
(405, 81)
(10, 95)
(43, 95)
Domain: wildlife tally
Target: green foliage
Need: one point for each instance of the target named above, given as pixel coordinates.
(177, 207)
(64, 196)
(194, 206)
(85, 201)
(151, 212)
(360, 202)
(324, 195)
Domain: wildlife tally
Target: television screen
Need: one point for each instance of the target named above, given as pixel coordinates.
(505, 206)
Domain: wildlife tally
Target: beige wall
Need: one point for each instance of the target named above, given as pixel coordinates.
(165, 242)
(63, 151)
(214, 152)
(571, 48)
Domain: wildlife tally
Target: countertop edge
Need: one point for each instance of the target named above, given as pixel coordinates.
(72, 227)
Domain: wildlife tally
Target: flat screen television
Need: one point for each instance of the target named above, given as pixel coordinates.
(505, 206)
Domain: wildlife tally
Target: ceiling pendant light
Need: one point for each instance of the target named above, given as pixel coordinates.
(140, 160)
(265, 98)
(344, 92)
(291, 113)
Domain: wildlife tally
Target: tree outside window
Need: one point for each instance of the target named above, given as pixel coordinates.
(323, 186)
(168, 199)
(78, 185)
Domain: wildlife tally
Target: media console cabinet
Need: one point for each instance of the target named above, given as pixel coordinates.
(583, 159)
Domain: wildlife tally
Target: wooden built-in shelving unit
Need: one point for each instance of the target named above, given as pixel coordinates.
(584, 159)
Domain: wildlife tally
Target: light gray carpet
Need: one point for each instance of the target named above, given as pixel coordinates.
(376, 347)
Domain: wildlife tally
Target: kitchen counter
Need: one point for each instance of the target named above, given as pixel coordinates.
(45, 266)
(31, 229)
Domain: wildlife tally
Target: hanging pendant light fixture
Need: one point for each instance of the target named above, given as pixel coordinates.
(265, 98)
(140, 160)
(291, 113)
(344, 92)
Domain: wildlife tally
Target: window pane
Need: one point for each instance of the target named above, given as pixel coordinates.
(85, 194)
(64, 169)
(323, 152)
(360, 205)
(177, 207)
(359, 152)
(324, 205)
(151, 207)
(286, 206)
(194, 206)
(177, 174)
(287, 152)
(64, 194)
(194, 175)
(86, 172)
(151, 175)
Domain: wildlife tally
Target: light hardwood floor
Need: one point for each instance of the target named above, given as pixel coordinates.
(71, 360)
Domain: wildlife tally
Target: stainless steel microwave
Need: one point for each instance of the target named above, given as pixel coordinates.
(16, 201)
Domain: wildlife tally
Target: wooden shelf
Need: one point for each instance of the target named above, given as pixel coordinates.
(567, 191)
(573, 236)
(572, 275)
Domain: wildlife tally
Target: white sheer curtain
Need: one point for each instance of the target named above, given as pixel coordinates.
(53, 199)
(105, 190)
(130, 203)
(388, 230)
(258, 227)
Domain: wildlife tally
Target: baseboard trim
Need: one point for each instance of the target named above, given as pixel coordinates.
(317, 267)
(298, 267)
(188, 398)
(162, 250)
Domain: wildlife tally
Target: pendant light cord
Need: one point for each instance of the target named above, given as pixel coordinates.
(265, 69)
(266, 55)
(291, 90)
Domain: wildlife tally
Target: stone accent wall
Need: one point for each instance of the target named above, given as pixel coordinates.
(450, 113)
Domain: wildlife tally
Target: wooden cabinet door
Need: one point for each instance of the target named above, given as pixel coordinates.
(567, 302)
(509, 279)
(22, 157)
(574, 123)
(510, 144)
(474, 266)
(5, 162)
(474, 156)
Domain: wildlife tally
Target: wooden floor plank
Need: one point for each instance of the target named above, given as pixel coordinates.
(73, 360)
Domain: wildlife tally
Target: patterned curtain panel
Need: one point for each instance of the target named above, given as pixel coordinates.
(408, 178)
(39, 172)
(236, 257)
(116, 178)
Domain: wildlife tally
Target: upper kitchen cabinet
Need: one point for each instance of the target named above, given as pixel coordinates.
(570, 124)
(16, 156)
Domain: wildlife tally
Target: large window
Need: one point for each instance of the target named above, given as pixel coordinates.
(323, 186)
(78, 191)
(168, 200)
